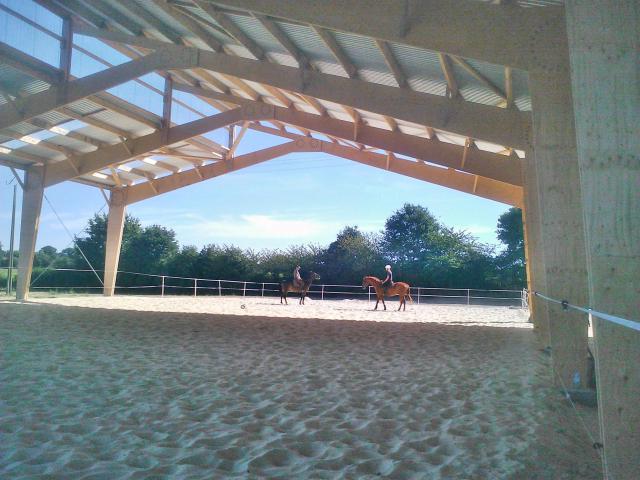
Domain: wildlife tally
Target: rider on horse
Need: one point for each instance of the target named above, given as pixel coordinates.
(388, 281)
(297, 279)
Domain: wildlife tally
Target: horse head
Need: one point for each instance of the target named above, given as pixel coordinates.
(311, 276)
(367, 281)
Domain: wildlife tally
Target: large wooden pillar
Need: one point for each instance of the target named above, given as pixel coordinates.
(115, 229)
(32, 195)
(534, 253)
(604, 42)
(561, 221)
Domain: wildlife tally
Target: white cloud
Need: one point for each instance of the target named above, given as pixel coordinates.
(192, 228)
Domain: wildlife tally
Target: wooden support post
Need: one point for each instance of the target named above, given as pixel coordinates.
(32, 194)
(561, 220)
(534, 252)
(167, 100)
(66, 49)
(603, 48)
(115, 229)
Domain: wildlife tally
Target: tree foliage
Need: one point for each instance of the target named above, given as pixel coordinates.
(421, 249)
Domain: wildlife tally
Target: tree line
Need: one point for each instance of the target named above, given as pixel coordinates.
(422, 251)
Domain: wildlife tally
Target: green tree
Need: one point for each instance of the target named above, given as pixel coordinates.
(351, 256)
(94, 241)
(224, 262)
(45, 256)
(150, 251)
(511, 262)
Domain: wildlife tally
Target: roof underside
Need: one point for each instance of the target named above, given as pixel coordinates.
(107, 118)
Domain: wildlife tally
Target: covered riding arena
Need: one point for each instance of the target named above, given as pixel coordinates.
(532, 103)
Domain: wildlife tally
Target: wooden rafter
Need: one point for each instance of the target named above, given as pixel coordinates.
(337, 51)
(284, 40)
(480, 77)
(508, 86)
(392, 63)
(89, 120)
(491, 34)
(190, 24)
(232, 29)
(452, 84)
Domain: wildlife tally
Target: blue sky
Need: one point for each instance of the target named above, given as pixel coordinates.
(300, 198)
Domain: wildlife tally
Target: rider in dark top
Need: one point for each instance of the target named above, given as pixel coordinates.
(388, 281)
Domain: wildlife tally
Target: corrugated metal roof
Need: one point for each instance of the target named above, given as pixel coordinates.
(362, 51)
(256, 32)
(307, 40)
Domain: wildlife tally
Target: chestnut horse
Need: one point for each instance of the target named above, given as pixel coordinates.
(287, 286)
(399, 288)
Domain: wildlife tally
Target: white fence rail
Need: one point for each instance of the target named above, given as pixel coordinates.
(175, 285)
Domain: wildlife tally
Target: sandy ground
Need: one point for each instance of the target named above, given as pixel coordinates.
(180, 387)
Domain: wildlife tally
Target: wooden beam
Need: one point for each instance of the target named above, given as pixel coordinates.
(284, 41)
(474, 184)
(170, 183)
(232, 29)
(237, 139)
(337, 52)
(392, 63)
(63, 94)
(121, 152)
(452, 85)
(501, 126)
(480, 77)
(148, 17)
(44, 125)
(46, 144)
(114, 15)
(190, 24)
(29, 65)
(491, 165)
(508, 86)
(89, 120)
(503, 35)
(167, 98)
(66, 48)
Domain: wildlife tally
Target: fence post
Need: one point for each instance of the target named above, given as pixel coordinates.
(262, 293)
(468, 297)
(244, 289)
(162, 288)
(418, 295)
(369, 291)
(195, 287)
(219, 288)
(322, 293)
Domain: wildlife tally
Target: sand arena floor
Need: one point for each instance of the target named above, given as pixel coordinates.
(181, 387)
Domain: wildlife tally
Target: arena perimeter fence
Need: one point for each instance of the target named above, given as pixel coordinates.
(86, 281)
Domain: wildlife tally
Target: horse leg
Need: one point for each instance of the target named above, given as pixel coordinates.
(384, 304)
(401, 300)
(377, 301)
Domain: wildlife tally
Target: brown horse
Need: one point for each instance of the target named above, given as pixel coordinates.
(403, 290)
(287, 286)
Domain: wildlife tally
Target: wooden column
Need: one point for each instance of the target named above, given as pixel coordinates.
(32, 195)
(536, 275)
(604, 42)
(561, 222)
(115, 229)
